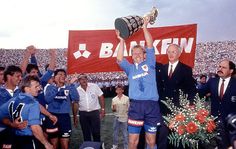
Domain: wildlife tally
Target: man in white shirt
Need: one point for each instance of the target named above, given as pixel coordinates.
(89, 108)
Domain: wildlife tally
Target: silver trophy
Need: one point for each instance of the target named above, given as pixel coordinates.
(127, 26)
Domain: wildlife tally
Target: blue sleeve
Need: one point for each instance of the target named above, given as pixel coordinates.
(4, 112)
(44, 79)
(74, 95)
(34, 114)
(125, 65)
(4, 96)
(150, 57)
(50, 93)
(33, 60)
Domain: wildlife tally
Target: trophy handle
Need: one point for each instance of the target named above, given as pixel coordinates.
(152, 15)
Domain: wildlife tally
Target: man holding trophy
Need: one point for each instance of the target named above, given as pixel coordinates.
(144, 109)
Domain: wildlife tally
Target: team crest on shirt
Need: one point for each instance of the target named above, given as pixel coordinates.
(145, 67)
(233, 99)
(66, 92)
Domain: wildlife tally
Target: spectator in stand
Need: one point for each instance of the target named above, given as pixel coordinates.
(24, 107)
(202, 81)
(59, 98)
(1, 76)
(90, 116)
(119, 106)
(144, 109)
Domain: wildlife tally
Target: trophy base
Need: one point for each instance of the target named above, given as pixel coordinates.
(121, 25)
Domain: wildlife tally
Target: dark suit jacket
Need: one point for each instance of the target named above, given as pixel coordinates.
(158, 76)
(181, 79)
(226, 105)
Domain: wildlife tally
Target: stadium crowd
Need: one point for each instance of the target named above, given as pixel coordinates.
(206, 53)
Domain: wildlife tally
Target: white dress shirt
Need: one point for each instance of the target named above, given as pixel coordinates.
(89, 99)
(173, 66)
(225, 84)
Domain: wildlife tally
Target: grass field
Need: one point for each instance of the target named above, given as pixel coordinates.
(106, 130)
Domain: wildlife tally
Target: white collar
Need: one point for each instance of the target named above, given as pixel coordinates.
(173, 66)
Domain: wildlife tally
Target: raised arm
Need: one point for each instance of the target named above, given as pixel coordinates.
(28, 52)
(147, 35)
(120, 53)
(52, 63)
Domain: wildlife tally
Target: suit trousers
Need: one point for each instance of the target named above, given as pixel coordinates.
(90, 125)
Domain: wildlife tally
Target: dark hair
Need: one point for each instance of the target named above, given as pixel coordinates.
(120, 86)
(59, 70)
(82, 75)
(26, 82)
(46, 67)
(203, 76)
(30, 67)
(2, 68)
(11, 70)
(232, 66)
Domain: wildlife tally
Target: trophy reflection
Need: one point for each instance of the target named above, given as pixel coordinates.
(127, 26)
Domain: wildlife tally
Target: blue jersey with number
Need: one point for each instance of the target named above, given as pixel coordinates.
(5, 96)
(24, 106)
(142, 77)
(59, 99)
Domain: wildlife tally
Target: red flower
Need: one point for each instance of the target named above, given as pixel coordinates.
(179, 117)
(203, 112)
(171, 125)
(191, 127)
(210, 126)
(200, 118)
(201, 115)
(181, 129)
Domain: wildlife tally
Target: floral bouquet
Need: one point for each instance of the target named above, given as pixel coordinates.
(190, 124)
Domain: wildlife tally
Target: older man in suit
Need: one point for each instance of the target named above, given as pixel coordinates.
(223, 99)
(175, 76)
